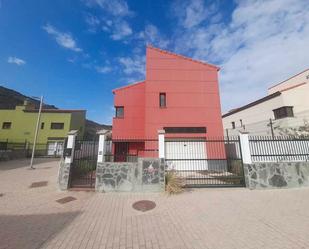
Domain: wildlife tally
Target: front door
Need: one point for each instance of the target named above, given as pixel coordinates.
(121, 151)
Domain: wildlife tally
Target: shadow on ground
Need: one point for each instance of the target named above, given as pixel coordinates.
(32, 231)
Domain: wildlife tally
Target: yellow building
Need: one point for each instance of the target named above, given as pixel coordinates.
(18, 126)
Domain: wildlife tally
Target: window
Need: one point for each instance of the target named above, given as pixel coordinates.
(241, 124)
(283, 112)
(42, 125)
(119, 111)
(162, 100)
(56, 126)
(233, 125)
(6, 125)
(185, 129)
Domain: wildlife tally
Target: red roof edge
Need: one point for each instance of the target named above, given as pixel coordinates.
(183, 57)
(128, 85)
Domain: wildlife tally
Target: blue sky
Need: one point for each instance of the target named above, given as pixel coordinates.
(76, 52)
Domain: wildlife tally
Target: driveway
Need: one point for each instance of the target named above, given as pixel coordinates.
(30, 217)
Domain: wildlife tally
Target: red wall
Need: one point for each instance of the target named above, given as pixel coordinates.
(132, 126)
(192, 93)
(192, 97)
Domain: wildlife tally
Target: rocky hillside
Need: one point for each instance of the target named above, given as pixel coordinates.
(10, 98)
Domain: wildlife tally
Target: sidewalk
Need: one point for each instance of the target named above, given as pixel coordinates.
(203, 218)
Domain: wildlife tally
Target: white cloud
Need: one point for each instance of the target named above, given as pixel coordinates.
(133, 67)
(15, 60)
(63, 39)
(194, 12)
(93, 22)
(152, 35)
(113, 20)
(265, 42)
(121, 30)
(103, 69)
(114, 7)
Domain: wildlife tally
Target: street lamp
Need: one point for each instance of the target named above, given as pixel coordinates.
(36, 131)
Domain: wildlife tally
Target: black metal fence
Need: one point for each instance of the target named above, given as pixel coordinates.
(279, 149)
(211, 162)
(129, 150)
(84, 164)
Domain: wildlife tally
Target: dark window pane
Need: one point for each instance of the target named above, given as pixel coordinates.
(283, 112)
(119, 111)
(162, 99)
(233, 125)
(57, 126)
(42, 125)
(185, 129)
(6, 125)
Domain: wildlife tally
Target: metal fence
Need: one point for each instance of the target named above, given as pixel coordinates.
(129, 150)
(84, 164)
(15, 150)
(279, 149)
(206, 162)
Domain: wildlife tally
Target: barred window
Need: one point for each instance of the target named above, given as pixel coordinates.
(283, 112)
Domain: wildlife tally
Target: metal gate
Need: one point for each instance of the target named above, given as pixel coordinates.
(84, 164)
(206, 162)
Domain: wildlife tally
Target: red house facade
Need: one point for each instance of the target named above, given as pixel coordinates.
(179, 95)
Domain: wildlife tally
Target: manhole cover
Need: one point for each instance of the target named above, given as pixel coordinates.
(66, 199)
(144, 205)
(38, 184)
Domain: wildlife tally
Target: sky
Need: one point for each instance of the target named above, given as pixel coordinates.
(74, 52)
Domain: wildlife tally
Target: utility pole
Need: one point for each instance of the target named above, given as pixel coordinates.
(36, 132)
(271, 128)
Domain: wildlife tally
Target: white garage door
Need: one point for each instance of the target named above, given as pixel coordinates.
(186, 155)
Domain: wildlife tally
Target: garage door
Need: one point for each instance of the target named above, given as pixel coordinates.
(186, 154)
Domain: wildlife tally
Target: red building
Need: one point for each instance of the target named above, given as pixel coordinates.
(179, 95)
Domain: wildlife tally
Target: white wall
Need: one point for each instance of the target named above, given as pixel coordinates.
(295, 80)
(256, 118)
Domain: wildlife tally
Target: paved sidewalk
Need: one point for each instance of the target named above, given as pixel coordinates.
(205, 218)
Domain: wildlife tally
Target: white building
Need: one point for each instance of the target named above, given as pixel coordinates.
(285, 106)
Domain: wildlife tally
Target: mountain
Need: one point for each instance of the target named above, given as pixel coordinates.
(10, 98)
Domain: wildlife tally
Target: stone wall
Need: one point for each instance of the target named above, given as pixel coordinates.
(277, 175)
(63, 175)
(146, 175)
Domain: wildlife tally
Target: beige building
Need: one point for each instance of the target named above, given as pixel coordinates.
(286, 106)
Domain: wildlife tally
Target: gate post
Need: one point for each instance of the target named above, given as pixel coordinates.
(100, 170)
(102, 137)
(66, 161)
(245, 147)
(161, 143)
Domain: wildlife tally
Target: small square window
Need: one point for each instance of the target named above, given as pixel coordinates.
(119, 111)
(57, 126)
(233, 125)
(162, 100)
(42, 125)
(6, 125)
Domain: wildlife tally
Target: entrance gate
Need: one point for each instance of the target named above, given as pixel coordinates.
(84, 164)
(206, 162)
